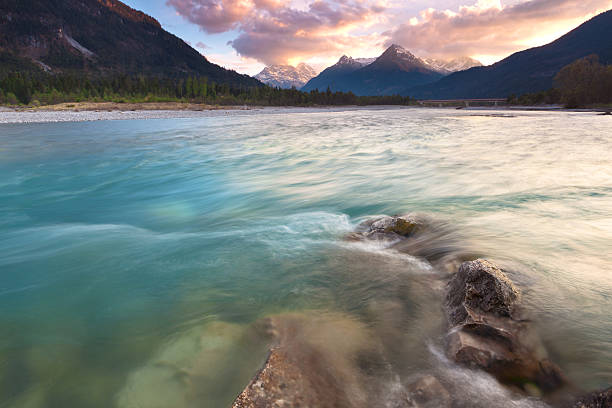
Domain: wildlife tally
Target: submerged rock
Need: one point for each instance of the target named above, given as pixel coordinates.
(322, 361)
(487, 331)
(280, 383)
(428, 392)
(191, 367)
(598, 399)
(313, 364)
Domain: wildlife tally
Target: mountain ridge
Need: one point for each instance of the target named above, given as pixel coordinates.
(100, 37)
(365, 76)
(526, 71)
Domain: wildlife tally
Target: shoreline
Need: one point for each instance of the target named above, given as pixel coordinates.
(100, 111)
(70, 113)
(199, 107)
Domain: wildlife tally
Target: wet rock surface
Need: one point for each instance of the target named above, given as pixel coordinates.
(478, 289)
(388, 228)
(281, 383)
(488, 332)
(598, 399)
(302, 370)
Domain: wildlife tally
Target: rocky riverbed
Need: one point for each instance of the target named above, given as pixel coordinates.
(488, 330)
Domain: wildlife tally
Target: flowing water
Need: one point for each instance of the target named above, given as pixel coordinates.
(137, 257)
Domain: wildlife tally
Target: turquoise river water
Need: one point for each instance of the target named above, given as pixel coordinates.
(136, 257)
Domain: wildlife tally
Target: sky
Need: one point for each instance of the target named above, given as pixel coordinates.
(247, 35)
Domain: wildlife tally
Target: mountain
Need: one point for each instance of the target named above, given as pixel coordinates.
(334, 76)
(447, 67)
(527, 71)
(286, 76)
(98, 36)
(392, 72)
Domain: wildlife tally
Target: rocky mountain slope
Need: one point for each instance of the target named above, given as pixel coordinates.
(527, 71)
(286, 76)
(97, 36)
(392, 72)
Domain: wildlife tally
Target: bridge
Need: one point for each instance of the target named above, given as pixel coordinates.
(462, 102)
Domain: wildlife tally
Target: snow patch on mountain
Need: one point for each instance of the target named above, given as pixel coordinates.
(365, 61)
(354, 63)
(76, 45)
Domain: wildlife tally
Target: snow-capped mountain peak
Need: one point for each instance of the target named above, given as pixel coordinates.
(397, 57)
(345, 59)
(453, 65)
(286, 76)
(354, 62)
(399, 52)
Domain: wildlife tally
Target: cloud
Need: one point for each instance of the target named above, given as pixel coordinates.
(213, 16)
(274, 32)
(291, 31)
(489, 28)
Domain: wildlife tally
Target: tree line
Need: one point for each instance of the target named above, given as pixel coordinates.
(34, 89)
(583, 83)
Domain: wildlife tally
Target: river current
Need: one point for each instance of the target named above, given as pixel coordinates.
(137, 257)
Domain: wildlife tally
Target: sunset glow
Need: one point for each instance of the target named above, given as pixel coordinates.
(264, 32)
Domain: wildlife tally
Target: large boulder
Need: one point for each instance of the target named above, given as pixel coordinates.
(480, 288)
(488, 331)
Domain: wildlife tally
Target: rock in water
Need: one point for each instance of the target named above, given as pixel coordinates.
(487, 331)
(403, 226)
(599, 399)
(417, 235)
(388, 228)
(313, 364)
(279, 379)
(480, 287)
